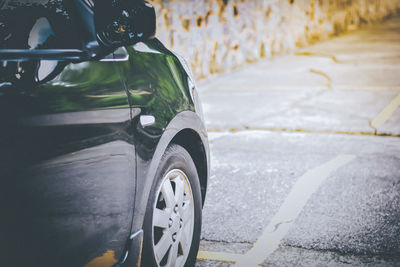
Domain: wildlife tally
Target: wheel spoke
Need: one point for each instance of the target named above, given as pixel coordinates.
(179, 191)
(173, 254)
(162, 246)
(184, 242)
(176, 219)
(186, 213)
(160, 218)
(168, 193)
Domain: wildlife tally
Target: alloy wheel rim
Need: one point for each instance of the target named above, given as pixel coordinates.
(173, 220)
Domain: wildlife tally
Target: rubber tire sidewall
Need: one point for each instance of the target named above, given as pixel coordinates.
(175, 157)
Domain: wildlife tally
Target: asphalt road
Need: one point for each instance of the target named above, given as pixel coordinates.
(305, 154)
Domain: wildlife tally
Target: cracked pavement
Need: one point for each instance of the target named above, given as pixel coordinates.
(276, 125)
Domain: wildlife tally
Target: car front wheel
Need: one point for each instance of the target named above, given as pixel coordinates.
(173, 217)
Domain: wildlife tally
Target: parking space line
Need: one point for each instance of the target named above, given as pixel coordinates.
(367, 87)
(107, 259)
(218, 256)
(250, 128)
(386, 113)
(288, 212)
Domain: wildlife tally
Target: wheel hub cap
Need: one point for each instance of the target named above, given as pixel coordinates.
(173, 220)
(175, 223)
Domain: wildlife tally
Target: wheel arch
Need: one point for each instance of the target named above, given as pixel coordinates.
(185, 129)
(191, 141)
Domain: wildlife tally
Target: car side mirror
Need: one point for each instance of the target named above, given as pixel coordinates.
(124, 22)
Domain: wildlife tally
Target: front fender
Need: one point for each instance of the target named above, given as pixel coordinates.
(146, 169)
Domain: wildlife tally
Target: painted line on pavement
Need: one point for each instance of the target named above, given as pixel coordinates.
(250, 128)
(367, 87)
(107, 259)
(288, 212)
(329, 85)
(386, 113)
(218, 256)
(272, 129)
(312, 54)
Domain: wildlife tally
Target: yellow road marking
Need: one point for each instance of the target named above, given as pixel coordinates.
(289, 130)
(386, 113)
(323, 75)
(342, 87)
(106, 260)
(305, 53)
(218, 256)
(366, 87)
(288, 212)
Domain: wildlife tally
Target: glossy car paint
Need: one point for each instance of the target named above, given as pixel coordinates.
(158, 85)
(76, 164)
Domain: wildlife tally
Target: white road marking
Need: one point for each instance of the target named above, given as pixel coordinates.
(386, 113)
(288, 212)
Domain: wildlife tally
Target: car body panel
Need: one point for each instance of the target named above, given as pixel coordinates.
(76, 162)
(69, 151)
(157, 83)
(67, 167)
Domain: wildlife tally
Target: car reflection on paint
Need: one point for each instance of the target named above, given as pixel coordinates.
(103, 152)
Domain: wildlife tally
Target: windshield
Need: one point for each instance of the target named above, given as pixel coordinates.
(33, 25)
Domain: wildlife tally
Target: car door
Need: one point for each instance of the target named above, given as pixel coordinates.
(67, 165)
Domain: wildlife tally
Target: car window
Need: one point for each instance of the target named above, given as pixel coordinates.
(36, 24)
(32, 25)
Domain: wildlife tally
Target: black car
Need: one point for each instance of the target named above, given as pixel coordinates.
(104, 155)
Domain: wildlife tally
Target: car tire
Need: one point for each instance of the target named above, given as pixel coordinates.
(172, 223)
